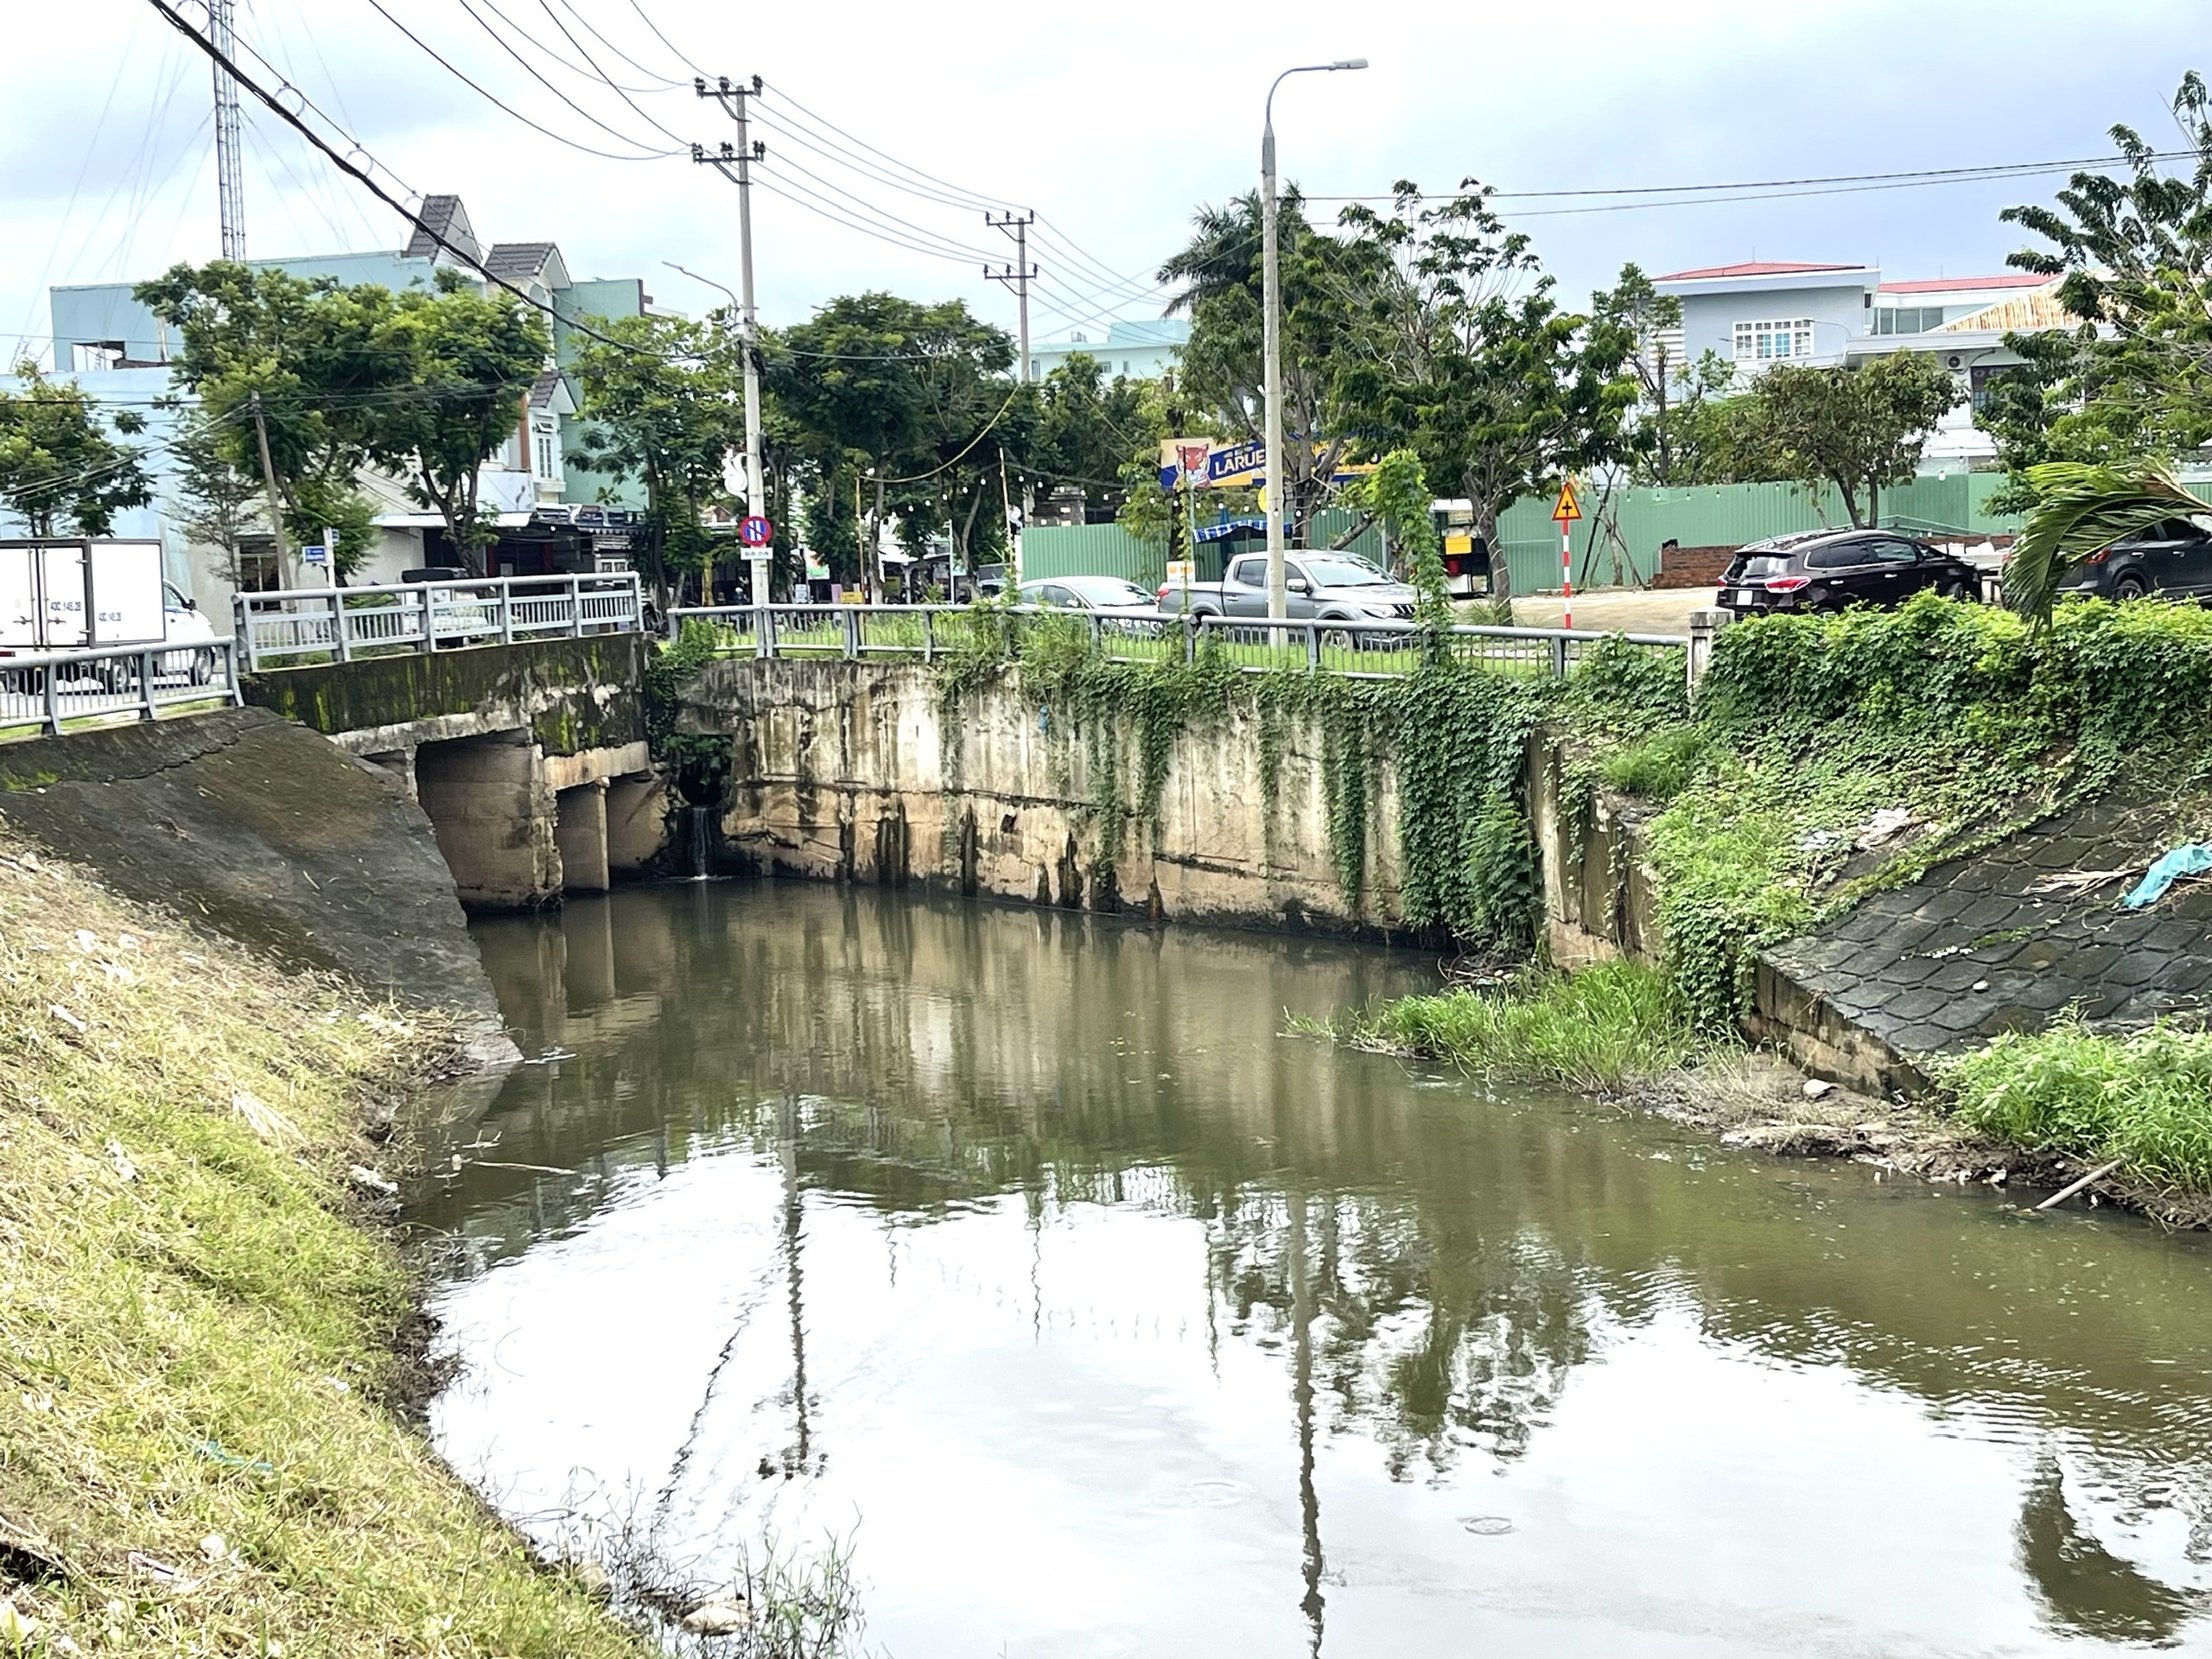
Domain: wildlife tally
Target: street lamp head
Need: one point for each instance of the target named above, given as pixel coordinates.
(1349, 63)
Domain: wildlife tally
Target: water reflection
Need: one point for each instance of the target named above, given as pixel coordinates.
(1028, 1240)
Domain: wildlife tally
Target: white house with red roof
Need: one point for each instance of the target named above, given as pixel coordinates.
(1762, 312)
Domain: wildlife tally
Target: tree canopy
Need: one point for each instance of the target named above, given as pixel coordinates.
(664, 399)
(1465, 357)
(1860, 429)
(62, 464)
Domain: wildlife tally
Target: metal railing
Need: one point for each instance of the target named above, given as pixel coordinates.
(45, 689)
(340, 624)
(1367, 649)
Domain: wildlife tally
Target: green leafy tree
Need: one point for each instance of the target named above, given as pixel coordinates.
(1087, 429)
(467, 361)
(664, 399)
(911, 404)
(1652, 319)
(1223, 367)
(1397, 492)
(1466, 358)
(219, 505)
(311, 353)
(1859, 430)
(62, 467)
(2133, 255)
(2083, 509)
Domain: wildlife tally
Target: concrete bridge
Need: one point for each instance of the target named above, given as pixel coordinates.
(529, 759)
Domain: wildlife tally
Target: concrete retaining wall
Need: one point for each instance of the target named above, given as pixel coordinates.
(843, 770)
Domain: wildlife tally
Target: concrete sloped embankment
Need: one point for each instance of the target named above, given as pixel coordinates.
(2000, 941)
(269, 834)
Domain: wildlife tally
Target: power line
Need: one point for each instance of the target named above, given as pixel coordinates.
(651, 73)
(460, 75)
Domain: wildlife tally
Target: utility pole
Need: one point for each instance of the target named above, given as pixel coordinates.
(1271, 288)
(276, 505)
(230, 174)
(732, 98)
(1019, 275)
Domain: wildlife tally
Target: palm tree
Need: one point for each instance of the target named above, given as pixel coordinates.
(2083, 508)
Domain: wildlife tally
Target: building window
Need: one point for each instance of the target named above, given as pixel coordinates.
(1908, 319)
(1762, 342)
(545, 455)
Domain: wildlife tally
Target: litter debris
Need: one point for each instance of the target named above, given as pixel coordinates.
(162, 1573)
(214, 1452)
(17, 1626)
(2073, 883)
(718, 1618)
(1818, 1087)
(1885, 823)
(87, 941)
(363, 1176)
(121, 1159)
(2191, 858)
(67, 1018)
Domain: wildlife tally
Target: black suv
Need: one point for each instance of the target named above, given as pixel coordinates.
(2173, 557)
(1827, 569)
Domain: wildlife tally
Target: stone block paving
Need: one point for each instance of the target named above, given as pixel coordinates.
(2004, 940)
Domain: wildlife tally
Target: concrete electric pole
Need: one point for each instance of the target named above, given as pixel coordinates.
(1271, 284)
(748, 151)
(230, 175)
(1018, 275)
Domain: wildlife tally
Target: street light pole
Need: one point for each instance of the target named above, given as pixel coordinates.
(1278, 589)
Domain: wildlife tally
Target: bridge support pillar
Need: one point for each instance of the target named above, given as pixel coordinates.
(487, 798)
(580, 832)
(637, 823)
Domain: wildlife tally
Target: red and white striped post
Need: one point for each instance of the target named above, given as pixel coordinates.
(1568, 510)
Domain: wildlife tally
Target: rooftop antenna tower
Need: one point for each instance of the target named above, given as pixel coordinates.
(230, 176)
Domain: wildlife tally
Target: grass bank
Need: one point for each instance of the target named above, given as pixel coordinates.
(1603, 1029)
(2142, 1100)
(202, 1328)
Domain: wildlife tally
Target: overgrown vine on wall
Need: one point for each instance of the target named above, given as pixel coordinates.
(699, 764)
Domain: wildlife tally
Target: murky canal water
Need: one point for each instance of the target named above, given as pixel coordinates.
(1023, 1252)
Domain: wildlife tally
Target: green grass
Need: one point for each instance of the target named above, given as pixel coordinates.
(2144, 1098)
(1599, 1031)
(1655, 768)
(200, 1327)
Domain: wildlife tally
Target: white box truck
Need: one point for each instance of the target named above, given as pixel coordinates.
(87, 594)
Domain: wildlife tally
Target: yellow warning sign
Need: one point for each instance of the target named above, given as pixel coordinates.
(1569, 508)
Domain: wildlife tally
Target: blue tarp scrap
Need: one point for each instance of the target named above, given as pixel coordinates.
(2193, 858)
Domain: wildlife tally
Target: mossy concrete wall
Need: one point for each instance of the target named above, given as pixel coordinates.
(570, 694)
(263, 831)
(852, 771)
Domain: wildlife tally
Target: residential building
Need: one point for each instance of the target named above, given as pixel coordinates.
(1759, 313)
(551, 515)
(1143, 350)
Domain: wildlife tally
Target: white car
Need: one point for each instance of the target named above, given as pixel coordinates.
(183, 623)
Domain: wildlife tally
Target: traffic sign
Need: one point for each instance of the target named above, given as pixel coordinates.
(755, 531)
(1569, 509)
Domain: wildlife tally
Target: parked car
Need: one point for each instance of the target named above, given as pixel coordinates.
(2173, 558)
(183, 623)
(1127, 607)
(1331, 587)
(1825, 570)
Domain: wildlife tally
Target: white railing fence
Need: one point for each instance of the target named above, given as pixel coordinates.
(1257, 644)
(44, 690)
(340, 624)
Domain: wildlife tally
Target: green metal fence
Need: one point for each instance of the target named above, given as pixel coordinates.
(1706, 515)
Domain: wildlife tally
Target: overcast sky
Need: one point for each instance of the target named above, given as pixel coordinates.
(1110, 131)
